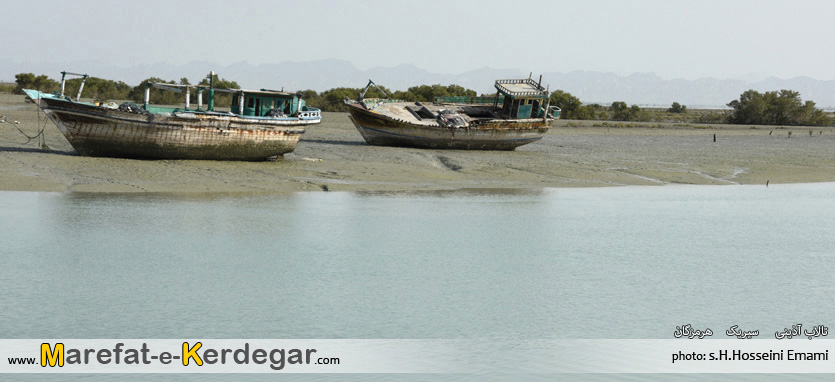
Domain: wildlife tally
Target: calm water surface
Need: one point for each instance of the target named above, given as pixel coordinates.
(626, 262)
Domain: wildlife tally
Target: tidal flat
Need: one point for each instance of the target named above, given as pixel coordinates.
(332, 156)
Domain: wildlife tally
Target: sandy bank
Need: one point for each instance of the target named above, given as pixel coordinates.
(333, 156)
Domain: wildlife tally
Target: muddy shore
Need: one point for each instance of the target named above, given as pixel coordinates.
(332, 156)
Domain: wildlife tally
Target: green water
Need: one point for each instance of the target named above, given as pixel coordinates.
(627, 262)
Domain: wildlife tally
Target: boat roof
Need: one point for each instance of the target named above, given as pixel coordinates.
(262, 92)
(267, 92)
(524, 88)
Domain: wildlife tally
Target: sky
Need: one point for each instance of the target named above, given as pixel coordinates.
(673, 39)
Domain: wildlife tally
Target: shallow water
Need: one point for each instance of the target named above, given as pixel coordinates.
(627, 262)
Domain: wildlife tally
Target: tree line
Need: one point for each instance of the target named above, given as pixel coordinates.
(331, 100)
(784, 107)
(102, 90)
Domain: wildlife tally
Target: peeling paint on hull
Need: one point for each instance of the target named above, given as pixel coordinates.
(496, 134)
(97, 131)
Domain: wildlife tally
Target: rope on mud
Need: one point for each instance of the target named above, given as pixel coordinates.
(40, 135)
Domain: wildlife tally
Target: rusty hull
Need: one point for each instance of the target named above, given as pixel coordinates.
(98, 131)
(491, 134)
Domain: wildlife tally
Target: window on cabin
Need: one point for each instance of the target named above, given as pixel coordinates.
(250, 103)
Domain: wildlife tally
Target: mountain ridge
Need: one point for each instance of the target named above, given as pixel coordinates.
(642, 88)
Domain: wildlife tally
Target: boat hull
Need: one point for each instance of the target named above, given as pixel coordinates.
(99, 131)
(496, 134)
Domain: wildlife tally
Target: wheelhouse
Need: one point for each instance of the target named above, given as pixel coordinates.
(245, 103)
(522, 99)
(266, 103)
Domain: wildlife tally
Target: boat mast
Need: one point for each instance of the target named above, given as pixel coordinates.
(211, 105)
(362, 95)
(63, 83)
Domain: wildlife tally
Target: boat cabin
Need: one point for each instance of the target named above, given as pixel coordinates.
(523, 99)
(245, 103)
(266, 103)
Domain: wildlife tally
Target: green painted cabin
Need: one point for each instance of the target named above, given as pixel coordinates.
(522, 99)
(258, 103)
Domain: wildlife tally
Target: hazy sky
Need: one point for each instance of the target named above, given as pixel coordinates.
(674, 39)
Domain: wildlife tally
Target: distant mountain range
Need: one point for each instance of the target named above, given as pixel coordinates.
(646, 89)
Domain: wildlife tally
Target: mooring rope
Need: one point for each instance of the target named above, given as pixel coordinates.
(39, 136)
(41, 127)
(24, 134)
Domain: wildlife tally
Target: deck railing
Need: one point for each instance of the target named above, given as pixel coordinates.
(541, 91)
(469, 100)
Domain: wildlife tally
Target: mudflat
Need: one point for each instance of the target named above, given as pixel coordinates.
(332, 156)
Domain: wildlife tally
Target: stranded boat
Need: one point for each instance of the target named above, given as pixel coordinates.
(261, 124)
(519, 114)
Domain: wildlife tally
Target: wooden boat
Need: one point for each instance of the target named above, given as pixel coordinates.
(260, 125)
(519, 114)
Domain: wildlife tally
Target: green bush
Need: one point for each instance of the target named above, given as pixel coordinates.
(30, 81)
(775, 108)
(677, 108)
(620, 112)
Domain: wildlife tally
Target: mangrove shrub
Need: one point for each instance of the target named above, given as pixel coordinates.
(775, 108)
